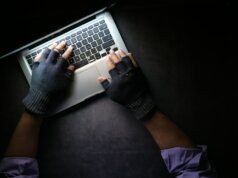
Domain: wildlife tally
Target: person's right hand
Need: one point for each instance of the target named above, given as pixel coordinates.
(51, 76)
(128, 86)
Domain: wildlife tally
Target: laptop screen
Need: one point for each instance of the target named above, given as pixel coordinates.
(26, 22)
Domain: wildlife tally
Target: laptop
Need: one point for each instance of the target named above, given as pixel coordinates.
(92, 37)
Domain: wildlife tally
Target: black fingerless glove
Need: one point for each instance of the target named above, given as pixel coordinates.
(49, 77)
(128, 87)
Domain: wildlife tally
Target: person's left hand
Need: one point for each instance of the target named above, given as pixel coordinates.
(50, 76)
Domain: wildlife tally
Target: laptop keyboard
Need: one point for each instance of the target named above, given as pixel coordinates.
(89, 44)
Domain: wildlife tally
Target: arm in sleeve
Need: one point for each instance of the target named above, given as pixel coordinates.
(188, 162)
(22, 167)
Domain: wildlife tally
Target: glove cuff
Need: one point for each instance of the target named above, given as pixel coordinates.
(142, 107)
(36, 102)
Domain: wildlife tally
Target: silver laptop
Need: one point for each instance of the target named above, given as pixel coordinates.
(92, 37)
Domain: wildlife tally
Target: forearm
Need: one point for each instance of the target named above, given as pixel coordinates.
(24, 141)
(166, 133)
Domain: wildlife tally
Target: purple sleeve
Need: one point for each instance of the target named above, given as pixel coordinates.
(20, 167)
(188, 162)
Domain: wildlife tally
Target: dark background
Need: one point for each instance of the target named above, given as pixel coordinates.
(185, 50)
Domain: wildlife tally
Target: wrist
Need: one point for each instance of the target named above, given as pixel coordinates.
(142, 108)
(36, 102)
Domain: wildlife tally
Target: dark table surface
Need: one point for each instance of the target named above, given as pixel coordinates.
(187, 55)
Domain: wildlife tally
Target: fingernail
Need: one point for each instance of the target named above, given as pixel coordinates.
(111, 51)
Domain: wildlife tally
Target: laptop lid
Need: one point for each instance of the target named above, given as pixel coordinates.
(31, 23)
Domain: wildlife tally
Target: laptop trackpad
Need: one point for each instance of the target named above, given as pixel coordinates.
(86, 83)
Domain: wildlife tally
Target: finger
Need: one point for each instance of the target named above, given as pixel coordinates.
(121, 53)
(60, 47)
(49, 53)
(101, 78)
(111, 67)
(114, 57)
(52, 46)
(38, 57)
(35, 65)
(62, 63)
(121, 66)
(110, 63)
(132, 59)
(68, 52)
(45, 53)
(104, 82)
(71, 68)
(53, 56)
(69, 73)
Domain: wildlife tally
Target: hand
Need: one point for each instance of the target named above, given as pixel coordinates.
(128, 86)
(50, 76)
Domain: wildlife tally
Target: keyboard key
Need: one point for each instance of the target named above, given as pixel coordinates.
(102, 21)
(39, 51)
(96, 24)
(94, 44)
(34, 54)
(115, 49)
(76, 52)
(92, 58)
(107, 38)
(103, 26)
(95, 37)
(90, 27)
(96, 30)
(68, 37)
(82, 56)
(108, 50)
(85, 29)
(85, 35)
(90, 39)
(106, 31)
(68, 42)
(108, 44)
(71, 60)
(88, 53)
(99, 41)
(82, 49)
(79, 37)
(104, 54)
(101, 34)
(81, 63)
(90, 32)
(30, 61)
(85, 42)
(76, 58)
(88, 46)
(98, 56)
(73, 40)
(93, 51)
(73, 35)
(28, 56)
(79, 44)
(79, 32)
(99, 48)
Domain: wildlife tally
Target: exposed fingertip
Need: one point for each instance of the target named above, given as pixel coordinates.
(122, 53)
(71, 67)
(101, 78)
(53, 45)
(111, 51)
